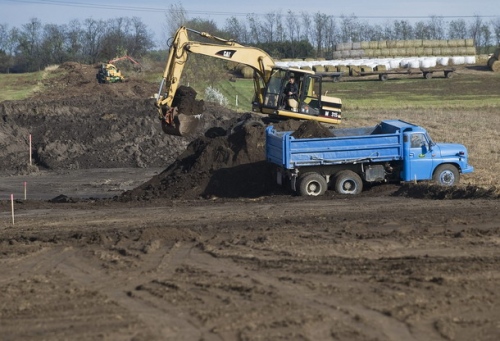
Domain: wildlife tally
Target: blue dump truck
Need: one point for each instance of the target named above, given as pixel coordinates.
(391, 151)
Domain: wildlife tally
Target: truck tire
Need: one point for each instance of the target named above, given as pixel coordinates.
(348, 182)
(312, 184)
(446, 175)
(383, 77)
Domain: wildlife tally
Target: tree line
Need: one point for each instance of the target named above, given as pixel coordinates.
(34, 45)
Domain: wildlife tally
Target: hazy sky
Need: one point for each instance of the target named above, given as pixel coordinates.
(15, 13)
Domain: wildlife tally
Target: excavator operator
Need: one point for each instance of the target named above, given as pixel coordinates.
(291, 92)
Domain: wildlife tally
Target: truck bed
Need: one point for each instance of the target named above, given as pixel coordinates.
(368, 144)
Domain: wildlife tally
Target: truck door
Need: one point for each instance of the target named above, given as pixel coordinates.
(418, 157)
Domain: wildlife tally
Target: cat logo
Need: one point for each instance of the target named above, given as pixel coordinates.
(226, 53)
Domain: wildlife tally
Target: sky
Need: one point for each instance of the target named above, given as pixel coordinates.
(16, 13)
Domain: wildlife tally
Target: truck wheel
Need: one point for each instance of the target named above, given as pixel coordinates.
(348, 182)
(427, 75)
(312, 184)
(446, 175)
(448, 74)
(383, 77)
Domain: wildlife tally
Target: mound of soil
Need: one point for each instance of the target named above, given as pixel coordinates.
(226, 166)
(309, 129)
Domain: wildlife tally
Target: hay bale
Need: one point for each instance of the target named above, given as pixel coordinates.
(456, 43)
(247, 72)
(391, 44)
(410, 52)
(400, 44)
(365, 45)
(346, 53)
(382, 44)
(373, 45)
(331, 68)
(369, 53)
(436, 51)
(470, 50)
(354, 70)
(385, 52)
(357, 53)
(469, 42)
(381, 67)
(494, 64)
(306, 67)
(343, 46)
(366, 68)
(343, 68)
(446, 51)
(356, 45)
(337, 55)
(318, 68)
(427, 51)
(419, 51)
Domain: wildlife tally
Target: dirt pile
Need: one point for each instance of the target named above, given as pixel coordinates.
(309, 129)
(77, 123)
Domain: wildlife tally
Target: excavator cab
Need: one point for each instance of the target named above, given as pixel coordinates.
(310, 103)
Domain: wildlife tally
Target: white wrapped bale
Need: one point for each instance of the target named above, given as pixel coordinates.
(470, 60)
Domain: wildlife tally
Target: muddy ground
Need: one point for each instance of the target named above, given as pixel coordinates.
(128, 234)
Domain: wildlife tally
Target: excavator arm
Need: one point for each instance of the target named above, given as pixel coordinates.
(175, 123)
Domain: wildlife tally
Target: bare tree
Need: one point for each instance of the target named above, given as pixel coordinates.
(237, 29)
(475, 30)
(175, 17)
(268, 27)
(319, 37)
(457, 29)
(29, 44)
(496, 30)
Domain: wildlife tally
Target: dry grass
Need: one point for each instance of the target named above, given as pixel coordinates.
(479, 132)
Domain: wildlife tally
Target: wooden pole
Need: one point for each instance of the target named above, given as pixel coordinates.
(12, 207)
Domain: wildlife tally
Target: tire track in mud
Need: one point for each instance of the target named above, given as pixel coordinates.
(352, 317)
(119, 287)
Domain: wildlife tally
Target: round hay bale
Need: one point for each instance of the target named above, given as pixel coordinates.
(357, 53)
(457, 60)
(409, 43)
(455, 42)
(365, 45)
(419, 51)
(418, 43)
(437, 51)
(469, 42)
(331, 68)
(377, 53)
(381, 67)
(318, 68)
(385, 52)
(446, 51)
(343, 46)
(399, 44)
(470, 50)
(382, 44)
(427, 51)
(495, 66)
(306, 67)
(346, 53)
(461, 51)
(470, 60)
(356, 45)
(443, 61)
(337, 55)
(369, 53)
(426, 43)
(410, 51)
(373, 45)
(247, 72)
(391, 43)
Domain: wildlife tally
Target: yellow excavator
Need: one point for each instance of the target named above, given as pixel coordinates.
(270, 81)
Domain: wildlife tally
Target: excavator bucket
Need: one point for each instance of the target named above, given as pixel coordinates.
(182, 125)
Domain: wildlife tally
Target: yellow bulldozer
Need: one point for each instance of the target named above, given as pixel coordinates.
(110, 73)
